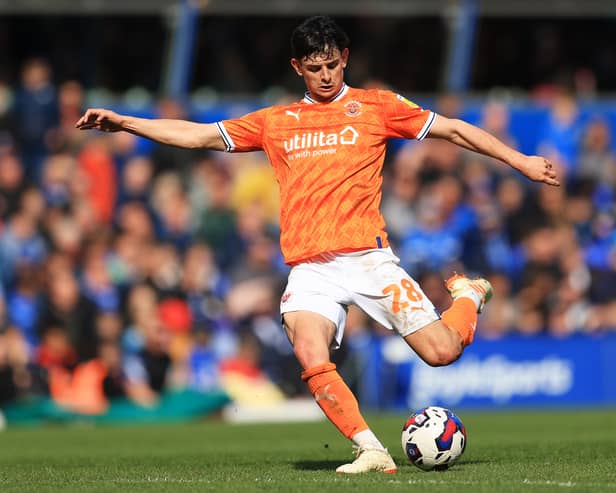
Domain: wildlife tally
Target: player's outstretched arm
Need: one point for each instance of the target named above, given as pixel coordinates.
(180, 133)
(464, 134)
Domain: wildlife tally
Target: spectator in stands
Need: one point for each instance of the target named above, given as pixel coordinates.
(167, 158)
(3, 317)
(32, 204)
(500, 317)
(7, 124)
(571, 310)
(399, 202)
(561, 135)
(136, 181)
(12, 182)
(16, 378)
(21, 243)
(35, 114)
(540, 277)
(146, 366)
(443, 224)
(254, 186)
(217, 224)
(204, 284)
(23, 304)
(203, 362)
(600, 256)
(97, 180)
(495, 118)
(163, 269)
(57, 178)
(125, 260)
(114, 382)
(171, 207)
(63, 137)
(96, 282)
(64, 233)
(597, 161)
(66, 310)
(135, 220)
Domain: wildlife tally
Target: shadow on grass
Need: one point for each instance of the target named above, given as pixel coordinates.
(471, 463)
(317, 465)
(329, 465)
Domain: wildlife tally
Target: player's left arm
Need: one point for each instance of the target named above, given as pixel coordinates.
(470, 137)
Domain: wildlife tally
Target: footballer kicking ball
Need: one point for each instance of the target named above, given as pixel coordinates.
(433, 438)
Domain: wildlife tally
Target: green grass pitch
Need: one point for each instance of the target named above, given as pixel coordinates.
(507, 452)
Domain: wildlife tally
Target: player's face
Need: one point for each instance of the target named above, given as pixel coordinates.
(323, 73)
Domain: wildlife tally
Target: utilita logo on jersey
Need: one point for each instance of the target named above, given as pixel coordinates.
(319, 143)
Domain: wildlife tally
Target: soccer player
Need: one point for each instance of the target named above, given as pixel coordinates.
(327, 151)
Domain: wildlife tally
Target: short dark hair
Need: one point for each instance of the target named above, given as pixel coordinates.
(318, 34)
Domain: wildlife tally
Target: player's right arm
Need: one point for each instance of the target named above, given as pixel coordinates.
(179, 133)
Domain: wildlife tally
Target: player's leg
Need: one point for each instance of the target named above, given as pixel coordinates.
(311, 335)
(442, 342)
(394, 299)
(436, 343)
(469, 297)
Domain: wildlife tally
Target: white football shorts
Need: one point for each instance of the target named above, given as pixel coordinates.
(371, 279)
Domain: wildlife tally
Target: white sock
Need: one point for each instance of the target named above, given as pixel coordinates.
(367, 439)
(473, 295)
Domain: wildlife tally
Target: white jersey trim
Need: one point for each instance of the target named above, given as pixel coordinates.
(229, 144)
(426, 128)
(340, 95)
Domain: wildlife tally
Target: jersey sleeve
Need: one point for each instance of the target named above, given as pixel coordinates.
(243, 134)
(403, 118)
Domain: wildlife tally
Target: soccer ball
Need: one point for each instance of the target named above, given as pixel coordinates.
(433, 438)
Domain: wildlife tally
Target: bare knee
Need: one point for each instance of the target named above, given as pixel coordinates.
(436, 344)
(309, 354)
(442, 355)
(310, 335)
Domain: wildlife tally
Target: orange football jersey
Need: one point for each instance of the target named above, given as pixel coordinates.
(328, 159)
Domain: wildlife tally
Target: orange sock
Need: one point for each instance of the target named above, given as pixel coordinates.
(335, 398)
(462, 317)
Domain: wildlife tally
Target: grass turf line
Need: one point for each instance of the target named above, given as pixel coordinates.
(507, 452)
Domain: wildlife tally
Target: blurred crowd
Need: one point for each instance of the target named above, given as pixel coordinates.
(128, 268)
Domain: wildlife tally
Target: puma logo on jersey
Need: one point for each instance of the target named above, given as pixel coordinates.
(293, 114)
(347, 136)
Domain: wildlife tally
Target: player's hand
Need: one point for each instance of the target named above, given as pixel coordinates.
(100, 119)
(540, 169)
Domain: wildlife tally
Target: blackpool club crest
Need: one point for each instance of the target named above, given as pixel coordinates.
(352, 108)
